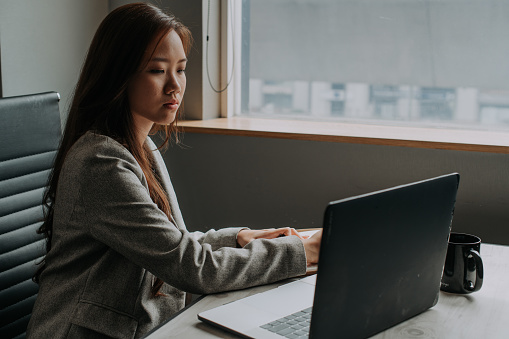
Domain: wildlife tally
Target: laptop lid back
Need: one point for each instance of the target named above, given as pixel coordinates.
(392, 246)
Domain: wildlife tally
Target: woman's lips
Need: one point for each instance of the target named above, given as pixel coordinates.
(171, 105)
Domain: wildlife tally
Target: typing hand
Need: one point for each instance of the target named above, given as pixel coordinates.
(244, 237)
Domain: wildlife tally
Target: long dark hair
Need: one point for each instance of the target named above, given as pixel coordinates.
(100, 100)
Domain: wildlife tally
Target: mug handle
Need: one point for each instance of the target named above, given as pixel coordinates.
(479, 272)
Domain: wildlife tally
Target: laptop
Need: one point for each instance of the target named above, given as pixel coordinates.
(381, 260)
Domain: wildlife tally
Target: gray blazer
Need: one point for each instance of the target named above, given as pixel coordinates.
(110, 241)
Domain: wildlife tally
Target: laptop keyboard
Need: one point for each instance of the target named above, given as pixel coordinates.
(292, 326)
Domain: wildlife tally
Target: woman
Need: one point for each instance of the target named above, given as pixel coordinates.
(119, 258)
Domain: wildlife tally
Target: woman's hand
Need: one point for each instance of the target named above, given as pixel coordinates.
(244, 237)
(312, 247)
(311, 244)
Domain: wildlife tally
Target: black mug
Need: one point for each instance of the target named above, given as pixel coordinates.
(463, 269)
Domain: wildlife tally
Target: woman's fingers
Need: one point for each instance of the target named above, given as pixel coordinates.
(286, 231)
(245, 236)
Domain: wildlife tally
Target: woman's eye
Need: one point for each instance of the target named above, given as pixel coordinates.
(157, 71)
(181, 71)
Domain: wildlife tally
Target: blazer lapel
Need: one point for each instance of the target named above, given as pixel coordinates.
(162, 173)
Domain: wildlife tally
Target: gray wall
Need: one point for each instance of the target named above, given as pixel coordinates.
(263, 182)
(43, 44)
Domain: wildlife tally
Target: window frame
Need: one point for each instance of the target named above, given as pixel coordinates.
(231, 123)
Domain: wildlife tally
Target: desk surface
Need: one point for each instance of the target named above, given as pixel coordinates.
(483, 314)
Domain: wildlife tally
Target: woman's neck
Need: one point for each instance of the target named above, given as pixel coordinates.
(142, 126)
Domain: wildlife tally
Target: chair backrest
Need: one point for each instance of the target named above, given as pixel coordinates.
(30, 134)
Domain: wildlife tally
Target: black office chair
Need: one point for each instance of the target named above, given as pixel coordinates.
(30, 134)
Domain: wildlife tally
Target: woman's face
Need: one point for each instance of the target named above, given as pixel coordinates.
(156, 91)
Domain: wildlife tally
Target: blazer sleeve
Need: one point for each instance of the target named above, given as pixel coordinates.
(119, 212)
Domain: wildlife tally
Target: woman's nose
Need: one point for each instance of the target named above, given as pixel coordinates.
(172, 85)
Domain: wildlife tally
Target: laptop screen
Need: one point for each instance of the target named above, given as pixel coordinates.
(381, 258)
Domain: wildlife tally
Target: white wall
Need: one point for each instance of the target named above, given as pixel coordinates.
(43, 44)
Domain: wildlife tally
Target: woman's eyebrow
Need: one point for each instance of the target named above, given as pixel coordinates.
(163, 59)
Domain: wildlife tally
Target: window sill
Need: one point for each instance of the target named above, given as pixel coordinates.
(432, 138)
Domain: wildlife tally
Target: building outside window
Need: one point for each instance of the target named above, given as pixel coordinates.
(441, 63)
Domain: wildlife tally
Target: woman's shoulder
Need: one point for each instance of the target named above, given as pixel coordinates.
(96, 142)
(94, 150)
(94, 145)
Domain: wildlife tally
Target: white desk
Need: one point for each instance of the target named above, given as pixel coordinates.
(483, 314)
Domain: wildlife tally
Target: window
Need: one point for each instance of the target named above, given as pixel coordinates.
(425, 63)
